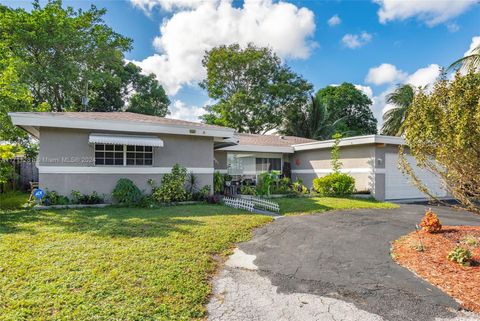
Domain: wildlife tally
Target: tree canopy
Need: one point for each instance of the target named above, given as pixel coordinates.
(350, 104)
(443, 133)
(52, 57)
(253, 90)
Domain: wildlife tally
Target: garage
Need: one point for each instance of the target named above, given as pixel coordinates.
(400, 186)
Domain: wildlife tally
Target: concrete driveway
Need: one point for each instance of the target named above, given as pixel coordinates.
(332, 266)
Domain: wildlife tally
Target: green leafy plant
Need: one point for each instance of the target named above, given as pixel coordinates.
(248, 190)
(126, 192)
(460, 255)
(471, 240)
(53, 198)
(172, 188)
(86, 199)
(282, 186)
(334, 184)
(227, 177)
(335, 154)
(298, 187)
(192, 183)
(217, 182)
(266, 181)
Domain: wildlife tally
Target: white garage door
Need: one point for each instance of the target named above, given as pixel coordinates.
(399, 185)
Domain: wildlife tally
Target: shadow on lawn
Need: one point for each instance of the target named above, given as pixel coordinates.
(111, 221)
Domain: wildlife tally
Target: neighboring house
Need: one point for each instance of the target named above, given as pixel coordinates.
(91, 151)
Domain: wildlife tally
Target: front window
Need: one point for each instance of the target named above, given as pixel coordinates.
(121, 155)
(268, 164)
(253, 163)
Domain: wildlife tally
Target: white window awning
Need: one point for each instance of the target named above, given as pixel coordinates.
(135, 140)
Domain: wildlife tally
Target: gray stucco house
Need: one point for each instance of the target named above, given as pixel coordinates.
(91, 151)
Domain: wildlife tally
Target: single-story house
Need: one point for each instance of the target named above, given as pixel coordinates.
(88, 152)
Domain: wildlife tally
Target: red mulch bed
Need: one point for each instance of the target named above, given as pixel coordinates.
(460, 282)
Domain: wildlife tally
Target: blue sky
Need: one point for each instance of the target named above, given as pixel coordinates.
(373, 44)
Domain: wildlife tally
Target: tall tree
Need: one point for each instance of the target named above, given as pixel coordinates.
(147, 96)
(252, 88)
(401, 99)
(442, 133)
(312, 121)
(63, 52)
(350, 104)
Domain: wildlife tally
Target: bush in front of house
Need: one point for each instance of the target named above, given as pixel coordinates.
(53, 198)
(126, 192)
(172, 188)
(335, 184)
(86, 199)
(248, 190)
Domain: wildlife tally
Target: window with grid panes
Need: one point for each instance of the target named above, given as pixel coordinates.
(121, 155)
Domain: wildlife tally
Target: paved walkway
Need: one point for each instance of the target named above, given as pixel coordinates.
(332, 266)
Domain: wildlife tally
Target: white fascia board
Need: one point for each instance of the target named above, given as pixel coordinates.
(258, 148)
(21, 119)
(350, 141)
(117, 170)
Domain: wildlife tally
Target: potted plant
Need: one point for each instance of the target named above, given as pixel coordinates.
(227, 178)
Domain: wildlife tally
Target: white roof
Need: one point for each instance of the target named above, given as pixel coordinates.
(135, 140)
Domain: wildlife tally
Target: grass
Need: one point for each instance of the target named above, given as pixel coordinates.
(114, 263)
(309, 205)
(13, 200)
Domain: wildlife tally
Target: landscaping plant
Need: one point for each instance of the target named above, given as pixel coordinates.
(443, 134)
(460, 255)
(217, 182)
(430, 222)
(126, 192)
(336, 183)
(248, 190)
(172, 188)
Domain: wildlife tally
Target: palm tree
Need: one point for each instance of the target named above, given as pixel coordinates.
(320, 124)
(471, 61)
(401, 98)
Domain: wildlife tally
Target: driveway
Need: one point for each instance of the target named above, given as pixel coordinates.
(332, 266)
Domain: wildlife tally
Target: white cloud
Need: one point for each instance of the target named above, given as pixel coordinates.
(187, 34)
(367, 90)
(179, 110)
(474, 44)
(453, 27)
(334, 21)
(432, 12)
(424, 76)
(384, 74)
(356, 41)
(167, 5)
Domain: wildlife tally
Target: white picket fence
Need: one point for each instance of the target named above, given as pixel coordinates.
(250, 203)
(240, 203)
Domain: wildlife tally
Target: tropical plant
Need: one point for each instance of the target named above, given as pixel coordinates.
(252, 88)
(442, 133)
(192, 183)
(312, 121)
(172, 187)
(126, 192)
(248, 190)
(266, 181)
(335, 154)
(217, 182)
(401, 99)
(471, 61)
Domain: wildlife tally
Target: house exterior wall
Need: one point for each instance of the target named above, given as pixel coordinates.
(220, 161)
(66, 162)
(358, 161)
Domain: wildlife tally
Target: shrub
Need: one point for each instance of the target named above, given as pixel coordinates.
(86, 199)
(335, 184)
(172, 188)
(192, 183)
(266, 181)
(460, 255)
(471, 240)
(126, 192)
(282, 186)
(430, 222)
(201, 194)
(53, 198)
(213, 199)
(248, 190)
(298, 187)
(217, 182)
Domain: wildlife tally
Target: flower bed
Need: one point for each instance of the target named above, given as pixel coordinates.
(425, 254)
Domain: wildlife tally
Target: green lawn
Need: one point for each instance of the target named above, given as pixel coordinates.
(114, 263)
(308, 205)
(13, 200)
